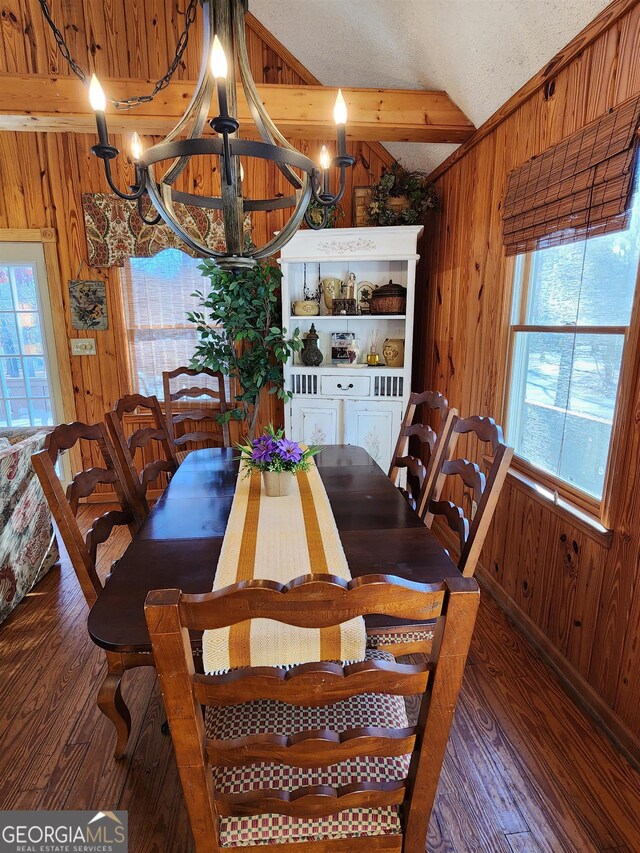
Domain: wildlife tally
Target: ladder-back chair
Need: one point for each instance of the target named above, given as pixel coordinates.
(419, 478)
(480, 491)
(83, 549)
(326, 744)
(141, 439)
(215, 405)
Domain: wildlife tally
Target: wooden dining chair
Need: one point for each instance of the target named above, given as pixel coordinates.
(420, 476)
(480, 492)
(325, 744)
(140, 440)
(83, 549)
(208, 410)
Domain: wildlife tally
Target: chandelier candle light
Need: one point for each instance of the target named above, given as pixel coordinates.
(224, 36)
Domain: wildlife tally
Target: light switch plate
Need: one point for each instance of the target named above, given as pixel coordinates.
(83, 346)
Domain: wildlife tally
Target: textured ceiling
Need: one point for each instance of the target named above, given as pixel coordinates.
(479, 51)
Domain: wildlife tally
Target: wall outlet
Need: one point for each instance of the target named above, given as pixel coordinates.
(83, 346)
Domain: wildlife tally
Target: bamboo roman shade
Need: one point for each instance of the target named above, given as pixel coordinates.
(157, 294)
(579, 188)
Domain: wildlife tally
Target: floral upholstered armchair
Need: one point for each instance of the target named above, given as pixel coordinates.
(28, 547)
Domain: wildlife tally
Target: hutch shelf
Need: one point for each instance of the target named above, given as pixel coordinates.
(356, 403)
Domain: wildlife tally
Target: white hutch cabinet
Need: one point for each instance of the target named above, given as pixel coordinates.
(351, 404)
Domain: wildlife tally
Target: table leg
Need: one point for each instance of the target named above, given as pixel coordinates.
(112, 704)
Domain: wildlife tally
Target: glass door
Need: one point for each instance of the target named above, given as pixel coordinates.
(29, 384)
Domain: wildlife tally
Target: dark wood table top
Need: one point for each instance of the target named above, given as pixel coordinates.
(179, 544)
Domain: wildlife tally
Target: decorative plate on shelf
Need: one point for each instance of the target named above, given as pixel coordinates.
(364, 292)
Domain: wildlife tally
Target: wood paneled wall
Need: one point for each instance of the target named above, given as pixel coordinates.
(579, 598)
(42, 176)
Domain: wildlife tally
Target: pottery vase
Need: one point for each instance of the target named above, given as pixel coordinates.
(311, 355)
(331, 290)
(393, 352)
(353, 351)
(277, 484)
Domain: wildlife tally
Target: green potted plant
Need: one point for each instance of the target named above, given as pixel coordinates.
(239, 334)
(277, 458)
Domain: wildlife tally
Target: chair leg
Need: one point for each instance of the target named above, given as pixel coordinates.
(112, 704)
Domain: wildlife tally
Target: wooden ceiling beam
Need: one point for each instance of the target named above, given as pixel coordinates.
(30, 102)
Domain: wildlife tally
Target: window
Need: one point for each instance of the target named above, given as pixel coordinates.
(570, 317)
(157, 295)
(29, 390)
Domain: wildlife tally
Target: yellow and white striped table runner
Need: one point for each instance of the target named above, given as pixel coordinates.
(280, 538)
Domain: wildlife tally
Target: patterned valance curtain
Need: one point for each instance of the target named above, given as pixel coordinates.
(116, 232)
(579, 188)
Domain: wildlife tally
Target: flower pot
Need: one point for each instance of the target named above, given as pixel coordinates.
(277, 483)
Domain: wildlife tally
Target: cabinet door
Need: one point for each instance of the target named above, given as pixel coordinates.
(316, 421)
(374, 426)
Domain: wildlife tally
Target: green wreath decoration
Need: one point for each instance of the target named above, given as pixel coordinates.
(396, 181)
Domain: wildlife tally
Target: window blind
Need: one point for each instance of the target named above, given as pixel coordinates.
(576, 189)
(157, 296)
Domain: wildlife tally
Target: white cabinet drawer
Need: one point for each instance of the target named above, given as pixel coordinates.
(345, 386)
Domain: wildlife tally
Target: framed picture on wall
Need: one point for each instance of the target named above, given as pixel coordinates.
(88, 304)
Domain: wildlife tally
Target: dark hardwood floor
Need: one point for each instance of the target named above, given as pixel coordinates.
(525, 769)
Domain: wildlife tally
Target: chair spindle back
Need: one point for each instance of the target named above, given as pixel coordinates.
(64, 507)
(126, 447)
(482, 491)
(313, 601)
(420, 476)
(215, 405)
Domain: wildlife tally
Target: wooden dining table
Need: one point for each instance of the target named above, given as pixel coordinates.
(178, 545)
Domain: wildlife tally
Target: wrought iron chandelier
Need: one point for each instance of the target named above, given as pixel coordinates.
(224, 37)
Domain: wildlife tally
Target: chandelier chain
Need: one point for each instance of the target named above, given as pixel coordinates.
(162, 83)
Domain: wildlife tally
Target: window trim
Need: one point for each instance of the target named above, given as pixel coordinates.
(519, 273)
(32, 254)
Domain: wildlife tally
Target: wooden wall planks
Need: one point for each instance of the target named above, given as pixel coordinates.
(583, 597)
(42, 176)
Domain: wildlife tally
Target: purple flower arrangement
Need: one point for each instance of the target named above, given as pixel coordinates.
(273, 452)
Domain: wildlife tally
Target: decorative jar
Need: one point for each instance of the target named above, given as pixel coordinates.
(311, 355)
(389, 299)
(393, 352)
